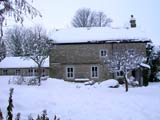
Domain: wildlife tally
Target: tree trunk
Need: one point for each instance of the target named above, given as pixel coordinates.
(39, 75)
(126, 82)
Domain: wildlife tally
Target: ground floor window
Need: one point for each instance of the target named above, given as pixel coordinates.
(5, 72)
(17, 72)
(32, 72)
(43, 72)
(70, 72)
(94, 71)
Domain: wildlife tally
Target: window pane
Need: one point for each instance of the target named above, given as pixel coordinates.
(94, 71)
(70, 72)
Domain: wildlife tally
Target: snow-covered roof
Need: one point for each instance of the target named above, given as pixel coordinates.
(20, 62)
(95, 34)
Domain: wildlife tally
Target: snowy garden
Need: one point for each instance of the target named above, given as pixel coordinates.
(77, 101)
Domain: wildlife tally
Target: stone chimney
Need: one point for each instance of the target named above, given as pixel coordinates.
(132, 22)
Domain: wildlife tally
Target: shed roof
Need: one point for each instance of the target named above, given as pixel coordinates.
(20, 62)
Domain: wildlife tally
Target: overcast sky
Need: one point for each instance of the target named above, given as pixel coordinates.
(59, 13)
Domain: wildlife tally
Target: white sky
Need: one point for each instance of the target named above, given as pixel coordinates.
(59, 13)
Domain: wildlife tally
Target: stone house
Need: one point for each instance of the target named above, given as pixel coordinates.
(78, 53)
(22, 66)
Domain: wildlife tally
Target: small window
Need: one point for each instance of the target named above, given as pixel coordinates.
(17, 72)
(94, 72)
(30, 71)
(43, 72)
(103, 53)
(69, 72)
(131, 52)
(119, 74)
(5, 72)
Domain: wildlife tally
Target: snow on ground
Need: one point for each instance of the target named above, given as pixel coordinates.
(75, 101)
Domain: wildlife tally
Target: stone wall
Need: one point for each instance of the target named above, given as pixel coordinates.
(83, 56)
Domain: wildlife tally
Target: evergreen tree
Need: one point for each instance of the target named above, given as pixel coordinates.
(10, 105)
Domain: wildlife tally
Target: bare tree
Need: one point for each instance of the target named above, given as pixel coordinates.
(83, 18)
(102, 20)
(14, 39)
(86, 18)
(37, 47)
(125, 61)
(16, 9)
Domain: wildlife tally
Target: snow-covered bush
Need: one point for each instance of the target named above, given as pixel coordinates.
(92, 82)
(158, 76)
(111, 83)
(23, 80)
(132, 82)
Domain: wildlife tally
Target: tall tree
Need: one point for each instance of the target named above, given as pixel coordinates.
(14, 39)
(16, 9)
(124, 61)
(102, 20)
(37, 47)
(86, 18)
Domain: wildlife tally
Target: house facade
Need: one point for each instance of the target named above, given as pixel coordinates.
(79, 54)
(22, 66)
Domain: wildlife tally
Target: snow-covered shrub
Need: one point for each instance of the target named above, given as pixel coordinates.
(23, 80)
(132, 82)
(111, 83)
(30, 117)
(32, 81)
(44, 78)
(158, 76)
(92, 82)
(18, 116)
(121, 80)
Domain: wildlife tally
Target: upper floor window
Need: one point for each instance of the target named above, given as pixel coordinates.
(94, 71)
(70, 72)
(119, 74)
(103, 53)
(131, 51)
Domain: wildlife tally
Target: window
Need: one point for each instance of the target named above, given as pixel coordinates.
(94, 72)
(69, 72)
(131, 52)
(103, 53)
(5, 72)
(119, 74)
(17, 72)
(43, 72)
(30, 71)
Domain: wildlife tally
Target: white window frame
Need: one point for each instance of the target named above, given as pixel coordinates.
(103, 52)
(71, 76)
(94, 74)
